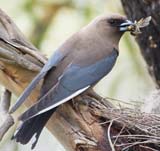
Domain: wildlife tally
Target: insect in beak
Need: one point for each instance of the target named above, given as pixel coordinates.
(135, 27)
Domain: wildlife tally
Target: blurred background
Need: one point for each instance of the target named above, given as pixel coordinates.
(47, 23)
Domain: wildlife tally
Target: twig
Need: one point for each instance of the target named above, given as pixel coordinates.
(146, 147)
(5, 101)
(109, 137)
(7, 118)
(136, 143)
(153, 141)
(119, 134)
(134, 103)
(135, 136)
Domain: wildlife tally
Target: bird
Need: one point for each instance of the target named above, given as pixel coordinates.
(77, 65)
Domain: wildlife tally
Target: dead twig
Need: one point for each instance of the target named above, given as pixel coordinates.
(119, 134)
(146, 147)
(6, 118)
(109, 136)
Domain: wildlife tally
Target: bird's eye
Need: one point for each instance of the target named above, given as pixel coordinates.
(115, 22)
(112, 21)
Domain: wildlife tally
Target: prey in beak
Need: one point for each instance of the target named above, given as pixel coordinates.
(134, 27)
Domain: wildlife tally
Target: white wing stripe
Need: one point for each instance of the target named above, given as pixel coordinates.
(61, 102)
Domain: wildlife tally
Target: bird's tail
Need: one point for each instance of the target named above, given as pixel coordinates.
(31, 127)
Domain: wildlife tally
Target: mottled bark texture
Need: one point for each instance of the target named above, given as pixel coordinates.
(149, 40)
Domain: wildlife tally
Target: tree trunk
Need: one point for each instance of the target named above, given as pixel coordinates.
(89, 123)
(149, 40)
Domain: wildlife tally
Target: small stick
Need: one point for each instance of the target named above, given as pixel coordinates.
(109, 137)
(146, 147)
(119, 134)
(4, 108)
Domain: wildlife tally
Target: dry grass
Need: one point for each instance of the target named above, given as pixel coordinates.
(128, 128)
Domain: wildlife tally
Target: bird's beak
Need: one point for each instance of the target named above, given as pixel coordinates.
(127, 26)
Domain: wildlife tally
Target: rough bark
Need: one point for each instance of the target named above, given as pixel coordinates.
(149, 40)
(87, 123)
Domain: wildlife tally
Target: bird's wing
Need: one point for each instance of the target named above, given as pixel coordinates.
(52, 62)
(74, 81)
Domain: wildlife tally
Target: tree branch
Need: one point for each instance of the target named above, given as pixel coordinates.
(7, 119)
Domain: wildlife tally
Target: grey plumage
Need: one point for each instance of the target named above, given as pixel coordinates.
(78, 64)
(73, 79)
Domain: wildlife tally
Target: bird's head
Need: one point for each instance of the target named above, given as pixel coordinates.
(111, 26)
(118, 24)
